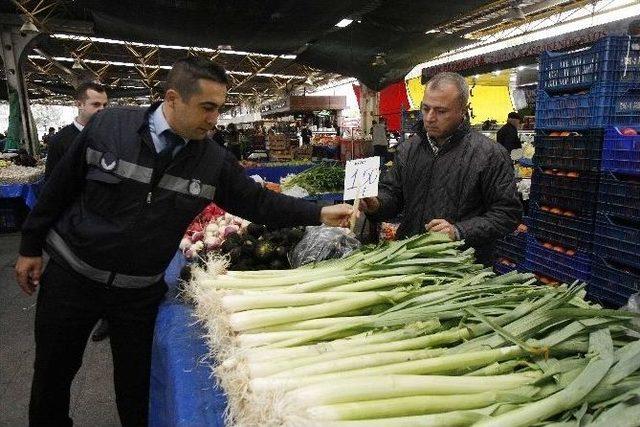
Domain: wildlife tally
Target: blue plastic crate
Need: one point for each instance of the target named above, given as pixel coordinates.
(548, 262)
(572, 233)
(617, 240)
(612, 283)
(578, 194)
(610, 59)
(578, 151)
(619, 196)
(499, 268)
(606, 104)
(621, 153)
(511, 247)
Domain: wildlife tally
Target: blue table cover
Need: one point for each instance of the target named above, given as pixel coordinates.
(274, 173)
(28, 192)
(183, 392)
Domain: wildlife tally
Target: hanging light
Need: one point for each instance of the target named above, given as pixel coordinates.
(29, 28)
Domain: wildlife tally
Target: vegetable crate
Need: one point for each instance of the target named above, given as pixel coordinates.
(280, 155)
(621, 151)
(612, 283)
(620, 196)
(605, 104)
(617, 239)
(610, 59)
(569, 151)
(556, 261)
(501, 266)
(575, 194)
(511, 247)
(572, 233)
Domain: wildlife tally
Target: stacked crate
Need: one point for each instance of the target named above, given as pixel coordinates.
(585, 99)
(279, 148)
(616, 247)
(509, 252)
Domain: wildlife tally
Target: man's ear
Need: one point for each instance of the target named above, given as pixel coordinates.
(171, 96)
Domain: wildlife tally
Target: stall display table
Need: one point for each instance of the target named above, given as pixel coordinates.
(28, 192)
(183, 392)
(275, 173)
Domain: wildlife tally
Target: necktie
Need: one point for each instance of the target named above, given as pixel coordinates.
(166, 155)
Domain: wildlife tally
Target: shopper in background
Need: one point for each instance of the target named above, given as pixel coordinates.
(380, 140)
(507, 135)
(112, 214)
(47, 136)
(306, 134)
(232, 139)
(448, 178)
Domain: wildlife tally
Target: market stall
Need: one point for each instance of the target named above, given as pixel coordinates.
(20, 183)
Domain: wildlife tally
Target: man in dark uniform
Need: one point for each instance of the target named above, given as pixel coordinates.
(90, 97)
(507, 136)
(111, 216)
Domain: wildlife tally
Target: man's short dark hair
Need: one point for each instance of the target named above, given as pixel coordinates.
(81, 90)
(185, 73)
(514, 115)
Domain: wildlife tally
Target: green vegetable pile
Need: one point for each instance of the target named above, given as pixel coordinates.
(414, 333)
(318, 179)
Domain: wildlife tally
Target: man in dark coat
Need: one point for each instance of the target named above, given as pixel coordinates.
(508, 134)
(448, 178)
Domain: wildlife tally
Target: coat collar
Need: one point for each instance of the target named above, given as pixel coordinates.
(457, 136)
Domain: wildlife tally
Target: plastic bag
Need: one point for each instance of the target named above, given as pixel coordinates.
(322, 242)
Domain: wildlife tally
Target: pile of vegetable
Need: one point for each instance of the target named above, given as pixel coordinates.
(414, 333)
(319, 179)
(257, 248)
(11, 173)
(247, 246)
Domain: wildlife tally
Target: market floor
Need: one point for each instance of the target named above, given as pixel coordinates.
(92, 394)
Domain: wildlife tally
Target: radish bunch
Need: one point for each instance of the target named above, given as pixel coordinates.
(209, 230)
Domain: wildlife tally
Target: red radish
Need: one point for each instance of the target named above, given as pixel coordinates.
(230, 229)
(185, 244)
(212, 243)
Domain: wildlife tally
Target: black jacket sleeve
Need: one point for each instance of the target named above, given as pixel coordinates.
(242, 196)
(390, 192)
(504, 210)
(60, 190)
(55, 151)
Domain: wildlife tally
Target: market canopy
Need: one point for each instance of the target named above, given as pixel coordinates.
(271, 47)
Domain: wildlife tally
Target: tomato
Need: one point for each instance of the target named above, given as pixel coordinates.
(547, 245)
(569, 214)
(544, 208)
(573, 174)
(559, 249)
(556, 211)
(570, 252)
(522, 228)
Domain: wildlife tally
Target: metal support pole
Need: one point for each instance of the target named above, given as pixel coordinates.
(14, 44)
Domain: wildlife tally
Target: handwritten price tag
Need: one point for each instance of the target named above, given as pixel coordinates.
(361, 178)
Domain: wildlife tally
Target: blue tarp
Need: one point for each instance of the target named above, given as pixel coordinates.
(183, 393)
(29, 192)
(274, 173)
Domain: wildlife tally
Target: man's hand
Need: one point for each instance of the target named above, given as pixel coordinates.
(442, 226)
(28, 271)
(369, 205)
(337, 215)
